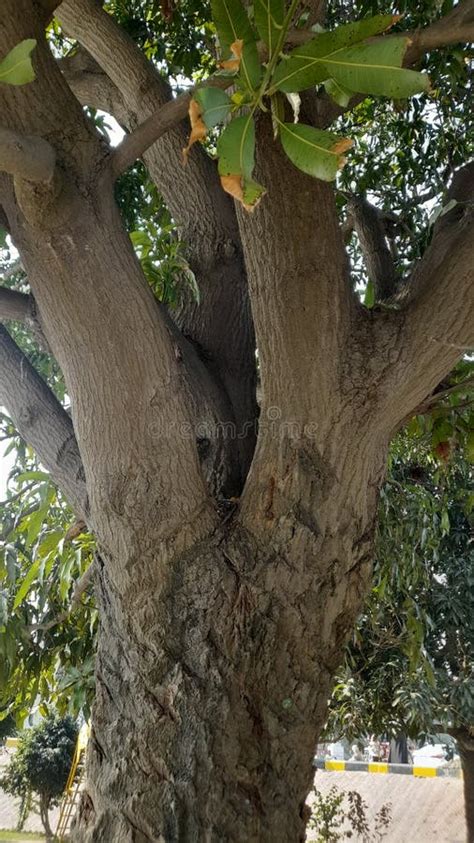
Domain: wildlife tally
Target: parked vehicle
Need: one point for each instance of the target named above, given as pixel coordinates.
(430, 755)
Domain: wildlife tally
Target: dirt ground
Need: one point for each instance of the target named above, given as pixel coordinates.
(423, 810)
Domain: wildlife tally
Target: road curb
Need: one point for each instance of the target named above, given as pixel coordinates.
(383, 768)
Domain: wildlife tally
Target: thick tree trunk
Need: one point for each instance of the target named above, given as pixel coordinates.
(465, 741)
(209, 704)
(222, 621)
(467, 761)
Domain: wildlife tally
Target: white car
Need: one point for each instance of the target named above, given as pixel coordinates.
(430, 755)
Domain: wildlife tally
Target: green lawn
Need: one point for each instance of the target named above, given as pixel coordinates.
(20, 837)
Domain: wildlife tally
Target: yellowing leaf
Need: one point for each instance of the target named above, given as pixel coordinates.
(233, 184)
(198, 128)
(248, 193)
(236, 151)
(342, 145)
(233, 64)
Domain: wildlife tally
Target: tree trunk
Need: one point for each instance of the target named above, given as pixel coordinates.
(465, 741)
(209, 705)
(467, 761)
(223, 618)
(44, 814)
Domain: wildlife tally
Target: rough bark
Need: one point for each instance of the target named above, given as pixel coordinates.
(221, 626)
(238, 674)
(213, 700)
(221, 324)
(15, 306)
(465, 740)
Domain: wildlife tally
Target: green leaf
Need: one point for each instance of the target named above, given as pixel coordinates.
(236, 37)
(250, 67)
(252, 193)
(302, 67)
(236, 148)
(369, 298)
(313, 151)
(269, 16)
(470, 446)
(375, 68)
(232, 23)
(338, 92)
(49, 543)
(27, 584)
(236, 151)
(27, 476)
(33, 524)
(16, 68)
(214, 104)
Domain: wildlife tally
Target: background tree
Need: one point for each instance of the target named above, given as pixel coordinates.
(40, 767)
(225, 595)
(409, 666)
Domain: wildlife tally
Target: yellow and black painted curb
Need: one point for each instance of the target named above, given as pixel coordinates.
(382, 767)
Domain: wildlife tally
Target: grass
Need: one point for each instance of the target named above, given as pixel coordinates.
(21, 836)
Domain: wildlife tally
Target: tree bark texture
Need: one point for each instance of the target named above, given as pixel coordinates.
(465, 741)
(226, 593)
(467, 761)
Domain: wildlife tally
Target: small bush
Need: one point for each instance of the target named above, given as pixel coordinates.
(343, 814)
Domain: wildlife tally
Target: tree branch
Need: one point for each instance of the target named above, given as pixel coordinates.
(42, 422)
(50, 5)
(30, 158)
(14, 305)
(80, 587)
(205, 215)
(435, 326)
(370, 229)
(161, 121)
(454, 28)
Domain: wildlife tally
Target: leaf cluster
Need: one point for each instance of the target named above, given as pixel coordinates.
(346, 60)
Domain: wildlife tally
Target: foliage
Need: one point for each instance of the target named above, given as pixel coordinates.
(341, 814)
(39, 566)
(343, 59)
(41, 765)
(410, 663)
